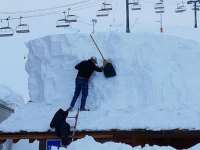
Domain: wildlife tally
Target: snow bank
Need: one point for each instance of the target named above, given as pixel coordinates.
(9, 98)
(156, 87)
(151, 69)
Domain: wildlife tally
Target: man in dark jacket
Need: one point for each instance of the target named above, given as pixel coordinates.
(85, 70)
(62, 128)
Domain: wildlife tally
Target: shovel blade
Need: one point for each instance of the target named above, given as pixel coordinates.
(109, 70)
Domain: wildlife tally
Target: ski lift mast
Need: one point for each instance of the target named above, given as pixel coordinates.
(159, 8)
(135, 6)
(195, 8)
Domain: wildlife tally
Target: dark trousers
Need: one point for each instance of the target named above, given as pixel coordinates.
(81, 85)
(64, 133)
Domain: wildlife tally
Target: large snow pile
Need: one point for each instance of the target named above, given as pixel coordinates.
(157, 77)
(151, 69)
(9, 98)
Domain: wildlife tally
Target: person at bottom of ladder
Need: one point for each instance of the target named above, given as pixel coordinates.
(85, 70)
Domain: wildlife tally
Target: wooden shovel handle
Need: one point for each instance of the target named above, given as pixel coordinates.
(97, 47)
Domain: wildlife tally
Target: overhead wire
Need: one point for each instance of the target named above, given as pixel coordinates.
(59, 12)
(30, 11)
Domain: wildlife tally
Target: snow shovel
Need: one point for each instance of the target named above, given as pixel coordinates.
(109, 70)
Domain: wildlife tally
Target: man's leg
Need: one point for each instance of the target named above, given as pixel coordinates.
(84, 88)
(76, 93)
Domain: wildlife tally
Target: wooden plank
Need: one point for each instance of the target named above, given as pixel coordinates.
(2, 141)
(31, 140)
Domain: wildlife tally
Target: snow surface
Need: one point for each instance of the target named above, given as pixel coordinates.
(159, 86)
(9, 98)
(88, 143)
(157, 77)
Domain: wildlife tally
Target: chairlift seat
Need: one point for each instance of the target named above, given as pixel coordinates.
(71, 18)
(102, 13)
(161, 10)
(6, 31)
(180, 9)
(62, 23)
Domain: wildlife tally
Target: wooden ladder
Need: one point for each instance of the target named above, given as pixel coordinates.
(74, 127)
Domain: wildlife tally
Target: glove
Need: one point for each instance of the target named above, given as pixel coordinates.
(105, 62)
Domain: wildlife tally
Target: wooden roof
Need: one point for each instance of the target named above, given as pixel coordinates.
(175, 138)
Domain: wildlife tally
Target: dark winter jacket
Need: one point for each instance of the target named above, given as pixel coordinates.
(86, 68)
(59, 123)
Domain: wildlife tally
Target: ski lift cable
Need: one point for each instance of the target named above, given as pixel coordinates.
(115, 11)
(53, 13)
(134, 23)
(90, 6)
(86, 4)
(29, 11)
(167, 3)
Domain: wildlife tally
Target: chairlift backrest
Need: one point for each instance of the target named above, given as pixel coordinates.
(71, 18)
(136, 7)
(102, 13)
(159, 6)
(62, 23)
(106, 7)
(135, 2)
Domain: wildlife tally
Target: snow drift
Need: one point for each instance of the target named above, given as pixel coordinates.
(151, 69)
(156, 87)
(9, 98)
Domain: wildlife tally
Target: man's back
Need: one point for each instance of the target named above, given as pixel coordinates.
(86, 68)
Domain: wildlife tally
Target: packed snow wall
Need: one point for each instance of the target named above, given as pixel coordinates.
(151, 69)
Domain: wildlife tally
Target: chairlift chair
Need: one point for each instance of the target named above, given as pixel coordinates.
(106, 6)
(71, 18)
(62, 23)
(180, 8)
(102, 13)
(22, 28)
(136, 7)
(6, 31)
